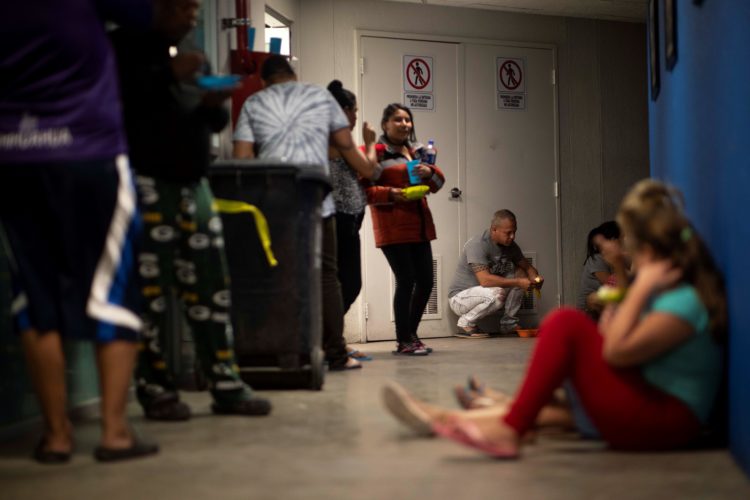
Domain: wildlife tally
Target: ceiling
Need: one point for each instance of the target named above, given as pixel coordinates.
(618, 10)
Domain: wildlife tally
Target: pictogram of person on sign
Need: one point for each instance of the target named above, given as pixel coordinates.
(419, 80)
(510, 73)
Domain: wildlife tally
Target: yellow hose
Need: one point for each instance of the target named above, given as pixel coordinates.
(261, 224)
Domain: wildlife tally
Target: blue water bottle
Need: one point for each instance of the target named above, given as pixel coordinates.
(429, 155)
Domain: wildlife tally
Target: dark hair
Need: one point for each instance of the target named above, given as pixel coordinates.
(390, 110)
(346, 99)
(501, 215)
(276, 65)
(610, 230)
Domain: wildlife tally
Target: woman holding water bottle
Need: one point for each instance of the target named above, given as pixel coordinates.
(402, 221)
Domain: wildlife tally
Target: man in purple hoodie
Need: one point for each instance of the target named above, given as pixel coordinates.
(68, 206)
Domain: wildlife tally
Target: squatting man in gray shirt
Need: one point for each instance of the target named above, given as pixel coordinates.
(492, 273)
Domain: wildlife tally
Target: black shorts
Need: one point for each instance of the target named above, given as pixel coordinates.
(71, 229)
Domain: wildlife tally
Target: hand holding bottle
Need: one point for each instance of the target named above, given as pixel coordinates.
(429, 153)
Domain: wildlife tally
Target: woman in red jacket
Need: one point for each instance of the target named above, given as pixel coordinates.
(403, 227)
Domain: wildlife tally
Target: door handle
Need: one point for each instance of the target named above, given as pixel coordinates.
(455, 193)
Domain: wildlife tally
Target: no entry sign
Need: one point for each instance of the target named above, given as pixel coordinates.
(510, 75)
(511, 83)
(418, 73)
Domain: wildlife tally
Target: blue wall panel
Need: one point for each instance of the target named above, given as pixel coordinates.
(700, 141)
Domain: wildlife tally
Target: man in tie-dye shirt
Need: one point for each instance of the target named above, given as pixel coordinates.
(295, 122)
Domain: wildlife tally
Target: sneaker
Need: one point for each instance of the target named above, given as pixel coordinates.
(251, 407)
(166, 407)
(423, 346)
(411, 349)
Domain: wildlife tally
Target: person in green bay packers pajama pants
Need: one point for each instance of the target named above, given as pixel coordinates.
(183, 248)
(169, 121)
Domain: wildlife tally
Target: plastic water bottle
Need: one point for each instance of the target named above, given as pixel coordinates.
(428, 153)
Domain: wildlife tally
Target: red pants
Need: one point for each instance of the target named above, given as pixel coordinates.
(628, 411)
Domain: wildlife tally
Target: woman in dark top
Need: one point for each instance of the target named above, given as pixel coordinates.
(350, 204)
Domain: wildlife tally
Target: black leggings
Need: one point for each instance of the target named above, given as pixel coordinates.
(412, 265)
(349, 249)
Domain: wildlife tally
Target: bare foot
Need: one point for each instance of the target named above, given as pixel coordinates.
(352, 364)
(117, 436)
(481, 388)
(59, 440)
(408, 410)
(118, 443)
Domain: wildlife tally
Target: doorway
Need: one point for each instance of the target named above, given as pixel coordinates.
(495, 155)
(382, 84)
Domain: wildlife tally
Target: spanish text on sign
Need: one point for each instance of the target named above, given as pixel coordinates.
(508, 100)
(419, 101)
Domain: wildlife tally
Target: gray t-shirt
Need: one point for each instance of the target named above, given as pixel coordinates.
(480, 249)
(589, 283)
(292, 122)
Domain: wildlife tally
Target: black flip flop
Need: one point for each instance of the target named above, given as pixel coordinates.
(49, 457)
(138, 449)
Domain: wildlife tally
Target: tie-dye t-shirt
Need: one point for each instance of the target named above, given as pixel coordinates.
(292, 122)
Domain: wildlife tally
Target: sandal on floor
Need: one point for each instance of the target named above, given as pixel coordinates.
(468, 434)
(49, 457)
(471, 333)
(359, 355)
(350, 364)
(400, 404)
(139, 448)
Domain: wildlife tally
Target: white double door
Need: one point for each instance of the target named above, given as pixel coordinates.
(496, 158)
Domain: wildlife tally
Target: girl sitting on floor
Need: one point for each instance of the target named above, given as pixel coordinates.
(649, 372)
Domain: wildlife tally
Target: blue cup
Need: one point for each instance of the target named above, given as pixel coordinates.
(275, 45)
(411, 168)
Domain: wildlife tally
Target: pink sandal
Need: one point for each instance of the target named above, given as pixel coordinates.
(468, 434)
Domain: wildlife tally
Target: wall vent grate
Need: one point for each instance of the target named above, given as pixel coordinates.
(529, 303)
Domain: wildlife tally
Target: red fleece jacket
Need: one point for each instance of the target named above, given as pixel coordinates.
(402, 222)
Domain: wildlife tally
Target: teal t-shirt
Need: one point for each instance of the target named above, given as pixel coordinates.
(692, 371)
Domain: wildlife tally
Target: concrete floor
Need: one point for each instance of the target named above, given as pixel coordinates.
(341, 444)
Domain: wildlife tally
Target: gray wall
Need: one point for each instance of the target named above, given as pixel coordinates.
(603, 129)
(601, 95)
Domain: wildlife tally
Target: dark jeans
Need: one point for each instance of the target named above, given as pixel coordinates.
(333, 310)
(350, 263)
(412, 265)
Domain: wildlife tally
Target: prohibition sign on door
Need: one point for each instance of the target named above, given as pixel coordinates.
(510, 75)
(418, 74)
